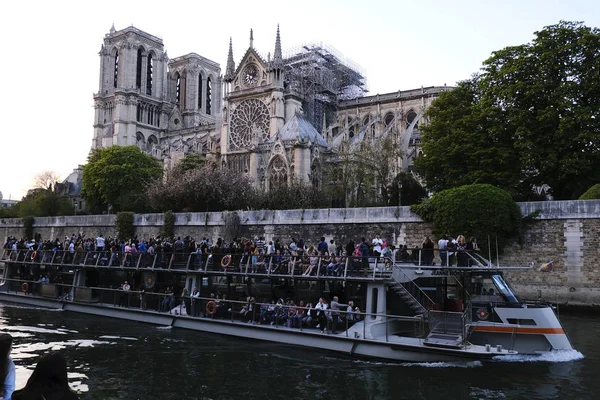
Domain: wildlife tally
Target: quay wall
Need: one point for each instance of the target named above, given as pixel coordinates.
(566, 232)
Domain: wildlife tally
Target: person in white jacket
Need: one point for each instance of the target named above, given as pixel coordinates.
(321, 308)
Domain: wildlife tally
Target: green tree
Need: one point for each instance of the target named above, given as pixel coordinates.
(191, 161)
(40, 203)
(550, 91)
(532, 117)
(118, 175)
(466, 141)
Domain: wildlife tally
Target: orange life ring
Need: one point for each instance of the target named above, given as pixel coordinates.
(225, 261)
(25, 287)
(211, 308)
(33, 255)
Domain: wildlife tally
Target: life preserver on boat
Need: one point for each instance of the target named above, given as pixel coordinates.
(483, 314)
(149, 280)
(33, 255)
(25, 287)
(211, 308)
(226, 261)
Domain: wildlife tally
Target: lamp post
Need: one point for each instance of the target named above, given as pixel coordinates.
(75, 204)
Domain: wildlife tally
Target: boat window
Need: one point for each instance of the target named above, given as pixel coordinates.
(504, 289)
(374, 302)
(518, 321)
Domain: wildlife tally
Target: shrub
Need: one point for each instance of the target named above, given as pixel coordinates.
(168, 228)
(592, 193)
(473, 211)
(124, 225)
(28, 225)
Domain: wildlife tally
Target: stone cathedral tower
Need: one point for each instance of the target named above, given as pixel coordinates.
(133, 90)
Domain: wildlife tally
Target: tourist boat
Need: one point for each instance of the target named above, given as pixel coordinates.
(410, 312)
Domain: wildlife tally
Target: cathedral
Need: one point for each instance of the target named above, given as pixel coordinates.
(275, 118)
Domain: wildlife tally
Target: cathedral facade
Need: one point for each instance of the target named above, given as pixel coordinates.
(276, 118)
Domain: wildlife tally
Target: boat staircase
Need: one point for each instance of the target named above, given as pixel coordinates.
(411, 293)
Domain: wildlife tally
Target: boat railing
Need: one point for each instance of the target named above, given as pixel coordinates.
(431, 257)
(450, 323)
(342, 267)
(303, 318)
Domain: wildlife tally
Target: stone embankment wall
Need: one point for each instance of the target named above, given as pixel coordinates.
(567, 233)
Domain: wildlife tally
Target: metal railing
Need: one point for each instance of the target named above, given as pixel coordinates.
(338, 267)
(302, 318)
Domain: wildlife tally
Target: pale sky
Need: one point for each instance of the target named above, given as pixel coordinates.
(50, 66)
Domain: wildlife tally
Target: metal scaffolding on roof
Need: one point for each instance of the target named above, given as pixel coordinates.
(321, 77)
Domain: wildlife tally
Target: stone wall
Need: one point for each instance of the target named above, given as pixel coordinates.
(567, 233)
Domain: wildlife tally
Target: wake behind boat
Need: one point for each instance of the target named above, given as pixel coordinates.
(408, 311)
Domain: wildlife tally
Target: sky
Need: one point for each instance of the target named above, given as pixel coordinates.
(50, 65)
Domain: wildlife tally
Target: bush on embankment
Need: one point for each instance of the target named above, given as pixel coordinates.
(592, 193)
(473, 211)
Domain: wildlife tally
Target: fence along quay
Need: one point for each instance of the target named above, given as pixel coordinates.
(385, 314)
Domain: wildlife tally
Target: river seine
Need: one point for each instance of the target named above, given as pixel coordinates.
(116, 359)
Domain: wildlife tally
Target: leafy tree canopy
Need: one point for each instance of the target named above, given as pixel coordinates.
(532, 117)
(40, 203)
(191, 161)
(118, 176)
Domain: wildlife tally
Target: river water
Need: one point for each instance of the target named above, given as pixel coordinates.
(117, 359)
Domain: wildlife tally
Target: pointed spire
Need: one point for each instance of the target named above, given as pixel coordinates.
(230, 69)
(251, 38)
(277, 57)
(112, 28)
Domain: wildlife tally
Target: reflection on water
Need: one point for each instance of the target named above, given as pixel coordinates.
(113, 359)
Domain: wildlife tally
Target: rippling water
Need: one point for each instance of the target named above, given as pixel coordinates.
(115, 359)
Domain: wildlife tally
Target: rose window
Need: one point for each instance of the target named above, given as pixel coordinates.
(250, 120)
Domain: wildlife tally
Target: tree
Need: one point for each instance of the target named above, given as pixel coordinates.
(550, 91)
(532, 117)
(45, 180)
(208, 188)
(191, 161)
(118, 175)
(41, 203)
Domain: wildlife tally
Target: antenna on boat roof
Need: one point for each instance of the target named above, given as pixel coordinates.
(497, 256)
(489, 251)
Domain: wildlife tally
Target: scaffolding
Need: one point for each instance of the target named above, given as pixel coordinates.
(321, 77)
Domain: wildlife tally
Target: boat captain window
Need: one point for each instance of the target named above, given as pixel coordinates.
(504, 289)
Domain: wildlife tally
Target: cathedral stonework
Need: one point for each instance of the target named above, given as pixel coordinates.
(276, 119)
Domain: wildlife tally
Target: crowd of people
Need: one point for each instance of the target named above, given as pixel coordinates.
(258, 254)
(48, 381)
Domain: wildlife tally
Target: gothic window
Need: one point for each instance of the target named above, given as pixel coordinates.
(277, 173)
(139, 113)
(149, 73)
(370, 128)
(116, 68)
(177, 88)
(249, 120)
(410, 117)
(138, 71)
(208, 95)
(140, 140)
(152, 140)
(200, 92)
(388, 119)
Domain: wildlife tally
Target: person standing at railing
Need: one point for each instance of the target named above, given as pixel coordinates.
(442, 248)
(462, 258)
(321, 308)
(427, 252)
(335, 307)
(377, 245)
(364, 254)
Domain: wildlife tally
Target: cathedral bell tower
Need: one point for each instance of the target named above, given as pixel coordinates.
(130, 101)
